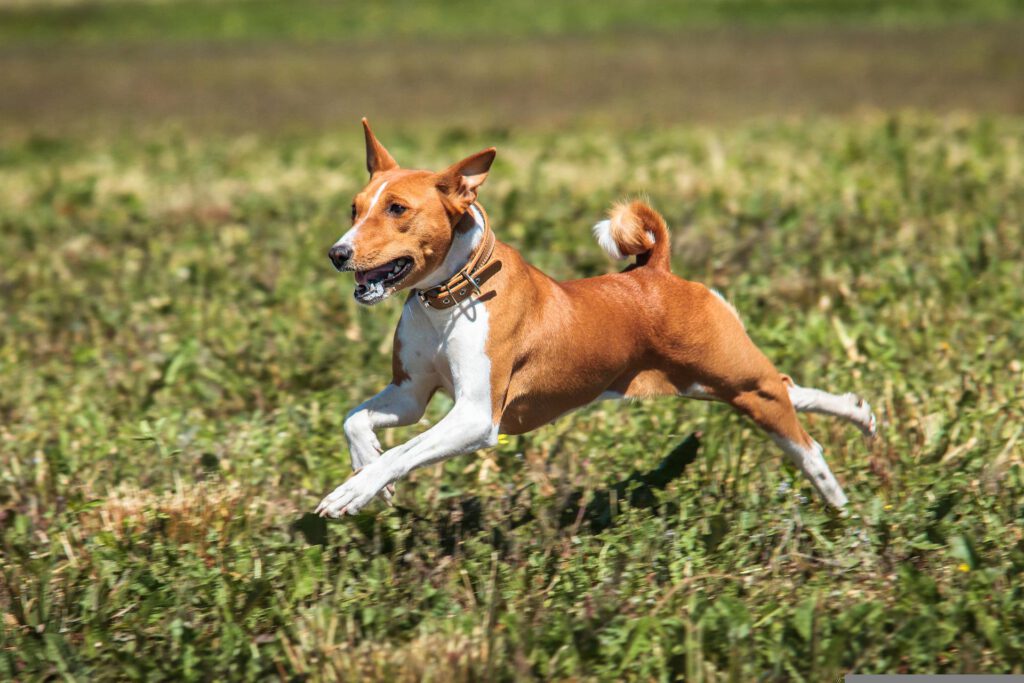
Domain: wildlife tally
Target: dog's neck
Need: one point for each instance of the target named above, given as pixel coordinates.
(467, 235)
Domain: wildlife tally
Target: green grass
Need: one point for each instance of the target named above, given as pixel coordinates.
(304, 21)
(177, 356)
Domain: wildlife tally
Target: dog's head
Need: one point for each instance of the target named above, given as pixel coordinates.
(404, 221)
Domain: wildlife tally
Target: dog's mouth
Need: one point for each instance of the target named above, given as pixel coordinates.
(378, 283)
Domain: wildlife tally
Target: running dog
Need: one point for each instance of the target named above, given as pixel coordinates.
(515, 349)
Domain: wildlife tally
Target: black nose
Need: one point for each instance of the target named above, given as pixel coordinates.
(339, 255)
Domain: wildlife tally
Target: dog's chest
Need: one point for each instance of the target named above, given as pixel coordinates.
(451, 343)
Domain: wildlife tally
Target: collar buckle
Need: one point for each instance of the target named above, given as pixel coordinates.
(471, 281)
(459, 286)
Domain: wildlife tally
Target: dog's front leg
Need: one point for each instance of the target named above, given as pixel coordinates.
(463, 430)
(397, 405)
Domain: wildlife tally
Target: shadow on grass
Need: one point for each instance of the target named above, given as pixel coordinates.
(467, 517)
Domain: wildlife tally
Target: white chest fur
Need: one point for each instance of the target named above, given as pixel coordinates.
(455, 342)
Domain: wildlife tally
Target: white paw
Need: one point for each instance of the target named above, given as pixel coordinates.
(354, 494)
(872, 429)
(866, 422)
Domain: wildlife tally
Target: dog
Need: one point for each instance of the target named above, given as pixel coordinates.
(516, 350)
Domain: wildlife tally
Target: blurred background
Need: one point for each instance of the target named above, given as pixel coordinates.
(241, 65)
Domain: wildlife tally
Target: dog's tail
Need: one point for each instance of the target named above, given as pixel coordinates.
(635, 229)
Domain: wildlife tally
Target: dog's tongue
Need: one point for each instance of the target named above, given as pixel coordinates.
(378, 273)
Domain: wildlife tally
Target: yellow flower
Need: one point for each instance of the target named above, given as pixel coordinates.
(503, 439)
(964, 567)
(887, 507)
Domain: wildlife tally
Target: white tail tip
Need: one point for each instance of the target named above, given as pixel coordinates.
(603, 234)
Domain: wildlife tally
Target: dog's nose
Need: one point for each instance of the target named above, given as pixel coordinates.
(339, 255)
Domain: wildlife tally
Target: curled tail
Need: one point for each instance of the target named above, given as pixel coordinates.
(635, 229)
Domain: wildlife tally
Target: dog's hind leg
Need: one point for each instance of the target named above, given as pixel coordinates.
(770, 407)
(849, 407)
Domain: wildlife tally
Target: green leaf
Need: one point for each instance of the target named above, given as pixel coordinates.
(803, 617)
(962, 548)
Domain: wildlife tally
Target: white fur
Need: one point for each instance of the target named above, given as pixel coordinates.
(603, 234)
(398, 404)
(849, 407)
(348, 239)
(609, 396)
(812, 463)
(445, 348)
(699, 392)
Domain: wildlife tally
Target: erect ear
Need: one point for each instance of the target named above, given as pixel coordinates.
(377, 158)
(459, 182)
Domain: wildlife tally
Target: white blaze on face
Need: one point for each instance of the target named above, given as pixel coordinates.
(348, 239)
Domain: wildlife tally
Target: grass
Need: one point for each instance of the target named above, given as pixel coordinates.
(177, 355)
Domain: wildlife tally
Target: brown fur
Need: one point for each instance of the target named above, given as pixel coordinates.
(643, 332)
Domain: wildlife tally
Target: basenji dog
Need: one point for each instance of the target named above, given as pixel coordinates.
(515, 349)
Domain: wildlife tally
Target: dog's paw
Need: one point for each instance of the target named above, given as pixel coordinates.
(865, 421)
(354, 494)
(872, 428)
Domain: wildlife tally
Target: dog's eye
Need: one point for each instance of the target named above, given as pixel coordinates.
(396, 209)
(353, 212)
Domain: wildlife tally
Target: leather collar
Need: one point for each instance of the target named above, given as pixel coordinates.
(478, 270)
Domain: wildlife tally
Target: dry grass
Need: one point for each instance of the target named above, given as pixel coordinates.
(186, 514)
(314, 648)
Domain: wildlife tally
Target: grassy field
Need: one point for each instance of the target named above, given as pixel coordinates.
(177, 355)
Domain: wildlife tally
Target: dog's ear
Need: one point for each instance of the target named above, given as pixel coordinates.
(377, 158)
(459, 182)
